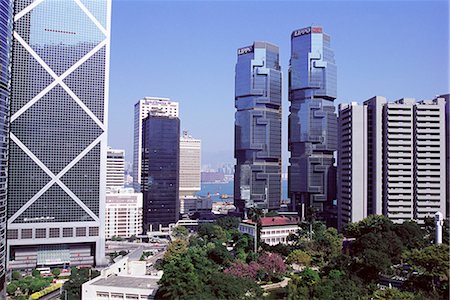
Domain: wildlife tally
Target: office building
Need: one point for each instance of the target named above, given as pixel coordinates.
(190, 167)
(390, 159)
(158, 107)
(257, 146)
(57, 158)
(352, 158)
(123, 214)
(312, 123)
(115, 169)
(447, 147)
(6, 22)
(160, 171)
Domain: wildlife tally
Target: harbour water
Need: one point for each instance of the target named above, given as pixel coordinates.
(217, 189)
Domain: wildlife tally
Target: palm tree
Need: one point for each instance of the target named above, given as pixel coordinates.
(255, 215)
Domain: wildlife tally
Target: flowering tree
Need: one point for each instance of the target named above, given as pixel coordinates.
(272, 264)
(240, 269)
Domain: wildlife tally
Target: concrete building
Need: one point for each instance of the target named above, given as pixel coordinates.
(190, 168)
(274, 230)
(447, 136)
(257, 149)
(57, 158)
(390, 159)
(6, 22)
(352, 162)
(160, 171)
(115, 169)
(312, 136)
(123, 214)
(126, 279)
(149, 105)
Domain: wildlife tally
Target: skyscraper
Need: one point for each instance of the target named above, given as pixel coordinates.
(257, 146)
(312, 122)
(390, 159)
(190, 167)
(160, 171)
(6, 22)
(115, 169)
(57, 162)
(157, 106)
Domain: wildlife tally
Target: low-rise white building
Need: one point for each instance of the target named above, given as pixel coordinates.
(123, 214)
(274, 230)
(126, 279)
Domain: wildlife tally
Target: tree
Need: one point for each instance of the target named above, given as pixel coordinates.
(243, 270)
(76, 279)
(391, 294)
(16, 275)
(337, 285)
(220, 255)
(35, 273)
(302, 287)
(11, 288)
(212, 232)
(411, 235)
(176, 249)
(273, 265)
(223, 286)
(371, 224)
(430, 268)
(228, 223)
(299, 257)
(56, 272)
(180, 232)
(180, 279)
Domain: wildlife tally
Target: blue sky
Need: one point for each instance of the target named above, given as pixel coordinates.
(186, 50)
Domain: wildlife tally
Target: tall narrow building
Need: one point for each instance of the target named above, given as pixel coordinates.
(160, 171)
(115, 170)
(57, 162)
(6, 21)
(157, 106)
(312, 122)
(190, 168)
(257, 147)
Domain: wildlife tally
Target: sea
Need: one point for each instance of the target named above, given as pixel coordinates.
(217, 189)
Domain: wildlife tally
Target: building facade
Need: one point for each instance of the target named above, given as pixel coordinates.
(6, 21)
(190, 168)
(312, 125)
(160, 171)
(123, 214)
(274, 230)
(447, 130)
(155, 106)
(115, 169)
(57, 161)
(390, 159)
(257, 181)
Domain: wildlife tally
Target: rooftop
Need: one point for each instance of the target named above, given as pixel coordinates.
(128, 282)
(275, 221)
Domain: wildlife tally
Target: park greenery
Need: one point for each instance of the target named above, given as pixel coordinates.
(21, 287)
(72, 287)
(370, 259)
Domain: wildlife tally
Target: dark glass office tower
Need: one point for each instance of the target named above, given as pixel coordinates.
(257, 181)
(312, 122)
(5, 57)
(160, 171)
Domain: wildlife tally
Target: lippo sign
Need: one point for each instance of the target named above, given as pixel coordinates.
(306, 30)
(245, 50)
